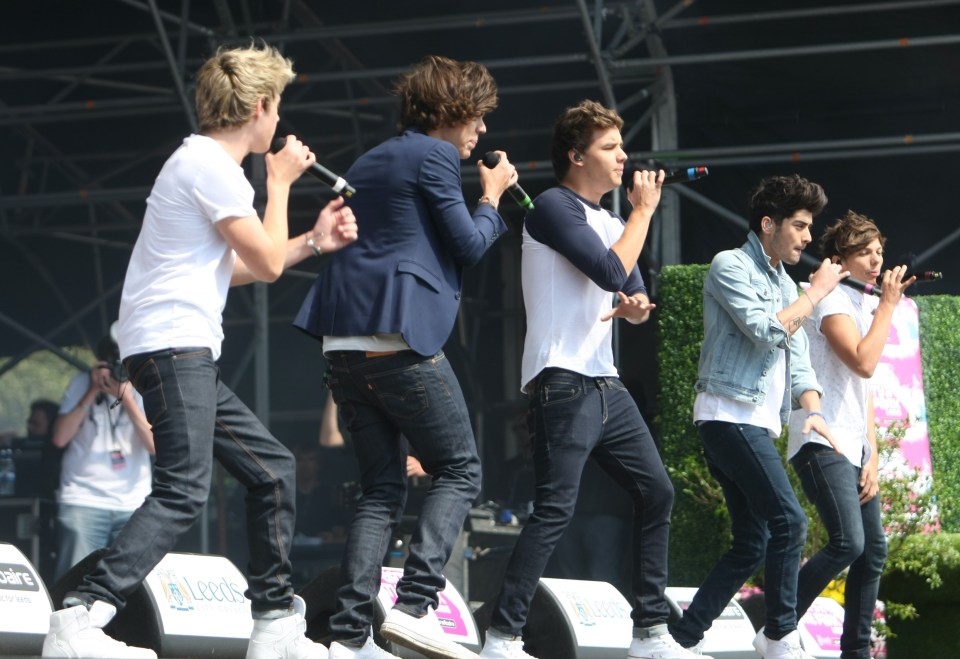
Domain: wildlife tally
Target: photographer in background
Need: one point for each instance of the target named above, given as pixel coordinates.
(107, 442)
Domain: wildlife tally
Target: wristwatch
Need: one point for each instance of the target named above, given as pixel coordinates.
(312, 245)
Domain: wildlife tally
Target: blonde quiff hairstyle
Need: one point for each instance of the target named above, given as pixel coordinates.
(230, 83)
(439, 92)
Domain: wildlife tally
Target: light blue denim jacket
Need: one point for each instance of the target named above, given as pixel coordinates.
(741, 297)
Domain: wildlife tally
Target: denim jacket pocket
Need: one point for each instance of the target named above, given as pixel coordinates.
(762, 288)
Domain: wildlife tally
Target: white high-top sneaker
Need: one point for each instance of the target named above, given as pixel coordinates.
(497, 646)
(425, 635)
(78, 633)
(787, 647)
(662, 647)
(370, 650)
(283, 638)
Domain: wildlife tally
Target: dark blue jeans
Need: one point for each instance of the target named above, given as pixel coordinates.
(856, 539)
(196, 418)
(381, 398)
(576, 417)
(767, 523)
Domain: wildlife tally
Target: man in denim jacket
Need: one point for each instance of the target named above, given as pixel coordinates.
(753, 364)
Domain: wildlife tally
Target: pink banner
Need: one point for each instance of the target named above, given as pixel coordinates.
(897, 386)
(450, 610)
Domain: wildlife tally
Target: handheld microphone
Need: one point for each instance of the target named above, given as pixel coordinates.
(490, 160)
(926, 275)
(862, 286)
(679, 176)
(873, 289)
(338, 184)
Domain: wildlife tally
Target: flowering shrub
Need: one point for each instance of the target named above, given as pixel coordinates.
(835, 589)
(915, 543)
(879, 633)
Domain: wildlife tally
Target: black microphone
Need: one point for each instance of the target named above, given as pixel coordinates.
(862, 286)
(679, 176)
(685, 175)
(490, 160)
(874, 289)
(926, 275)
(319, 171)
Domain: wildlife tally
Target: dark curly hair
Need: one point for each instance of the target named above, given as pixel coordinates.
(780, 197)
(848, 235)
(439, 92)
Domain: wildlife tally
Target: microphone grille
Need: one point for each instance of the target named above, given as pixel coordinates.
(278, 144)
(491, 159)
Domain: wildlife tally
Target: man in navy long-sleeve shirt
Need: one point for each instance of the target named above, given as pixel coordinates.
(576, 256)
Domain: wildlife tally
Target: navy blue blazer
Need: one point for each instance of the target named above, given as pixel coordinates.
(416, 234)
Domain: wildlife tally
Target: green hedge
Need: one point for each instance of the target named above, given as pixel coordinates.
(940, 355)
(699, 532)
(932, 633)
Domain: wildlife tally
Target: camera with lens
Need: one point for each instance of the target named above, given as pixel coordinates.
(117, 371)
(109, 353)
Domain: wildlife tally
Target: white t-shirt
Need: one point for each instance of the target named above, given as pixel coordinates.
(92, 473)
(844, 402)
(563, 304)
(179, 272)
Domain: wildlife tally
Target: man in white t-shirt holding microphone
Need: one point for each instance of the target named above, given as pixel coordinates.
(201, 235)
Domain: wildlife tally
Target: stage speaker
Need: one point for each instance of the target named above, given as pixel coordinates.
(820, 628)
(574, 620)
(731, 635)
(189, 605)
(320, 596)
(25, 606)
(485, 558)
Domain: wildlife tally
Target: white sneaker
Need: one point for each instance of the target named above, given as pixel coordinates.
(787, 647)
(76, 632)
(370, 650)
(698, 648)
(283, 638)
(425, 635)
(760, 642)
(662, 647)
(499, 647)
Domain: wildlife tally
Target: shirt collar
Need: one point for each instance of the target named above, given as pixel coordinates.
(754, 248)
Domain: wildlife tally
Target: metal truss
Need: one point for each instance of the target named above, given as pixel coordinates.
(92, 197)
